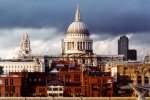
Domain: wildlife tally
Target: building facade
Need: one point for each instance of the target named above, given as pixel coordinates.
(132, 54)
(81, 80)
(10, 86)
(123, 46)
(135, 73)
(78, 45)
(19, 65)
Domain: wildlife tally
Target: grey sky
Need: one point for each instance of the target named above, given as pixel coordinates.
(111, 16)
(47, 21)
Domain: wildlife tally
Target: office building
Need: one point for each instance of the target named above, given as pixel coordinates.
(123, 46)
(132, 54)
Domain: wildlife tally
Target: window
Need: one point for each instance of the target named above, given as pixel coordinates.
(67, 77)
(50, 89)
(76, 77)
(139, 77)
(6, 89)
(11, 82)
(6, 94)
(68, 90)
(60, 89)
(99, 81)
(60, 94)
(6, 81)
(146, 80)
(139, 81)
(55, 89)
(11, 94)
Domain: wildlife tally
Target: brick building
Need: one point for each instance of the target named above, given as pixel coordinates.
(10, 86)
(133, 72)
(32, 84)
(80, 80)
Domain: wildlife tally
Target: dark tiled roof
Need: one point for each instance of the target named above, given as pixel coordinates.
(55, 82)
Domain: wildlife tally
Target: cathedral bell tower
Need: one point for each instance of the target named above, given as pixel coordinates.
(25, 50)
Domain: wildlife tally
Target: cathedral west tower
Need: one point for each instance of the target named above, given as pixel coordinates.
(25, 50)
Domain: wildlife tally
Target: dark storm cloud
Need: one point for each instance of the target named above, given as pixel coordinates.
(111, 16)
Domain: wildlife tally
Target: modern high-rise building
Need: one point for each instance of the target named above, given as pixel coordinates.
(123, 46)
(132, 54)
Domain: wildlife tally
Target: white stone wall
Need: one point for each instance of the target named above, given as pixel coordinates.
(17, 66)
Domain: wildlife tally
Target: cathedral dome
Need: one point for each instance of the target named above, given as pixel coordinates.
(77, 27)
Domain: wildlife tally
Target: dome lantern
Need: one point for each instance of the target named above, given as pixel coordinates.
(77, 15)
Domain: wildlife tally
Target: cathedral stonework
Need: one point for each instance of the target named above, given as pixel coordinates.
(78, 45)
(24, 50)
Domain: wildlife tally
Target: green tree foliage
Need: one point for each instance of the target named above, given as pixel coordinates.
(1, 70)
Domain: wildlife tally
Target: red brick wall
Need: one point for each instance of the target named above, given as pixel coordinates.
(11, 86)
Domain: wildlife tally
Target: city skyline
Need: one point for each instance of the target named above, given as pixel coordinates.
(47, 24)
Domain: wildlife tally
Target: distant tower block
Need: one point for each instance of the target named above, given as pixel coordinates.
(123, 46)
(24, 50)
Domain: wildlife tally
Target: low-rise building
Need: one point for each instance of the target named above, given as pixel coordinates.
(18, 65)
(10, 85)
(82, 80)
(132, 72)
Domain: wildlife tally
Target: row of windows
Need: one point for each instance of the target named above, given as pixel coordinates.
(76, 77)
(11, 82)
(145, 81)
(9, 94)
(18, 66)
(55, 89)
(55, 94)
(76, 90)
(76, 35)
(16, 70)
(80, 45)
(10, 89)
(35, 80)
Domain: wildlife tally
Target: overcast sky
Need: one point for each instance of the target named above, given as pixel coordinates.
(46, 22)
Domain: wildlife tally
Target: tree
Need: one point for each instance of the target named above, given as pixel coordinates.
(1, 70)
